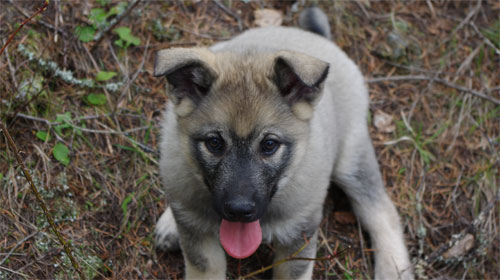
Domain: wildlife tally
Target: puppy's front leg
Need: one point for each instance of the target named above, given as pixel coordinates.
(300, 269)
(203, 255)
(362, 183)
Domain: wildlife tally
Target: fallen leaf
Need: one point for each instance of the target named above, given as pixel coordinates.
(461, 247)
(383, 122)
(268, 17)
(344, 218)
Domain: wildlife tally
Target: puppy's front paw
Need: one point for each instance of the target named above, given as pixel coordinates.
(166, 234)
(393, 267)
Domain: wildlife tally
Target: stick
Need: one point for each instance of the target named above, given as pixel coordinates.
(45, 5)
(441, 81)
(40, 201)
(294, 258)
(456, 238)
(134, 76)
(229, 12)
(17, 245)
(23, 168)
(44, 23)
(486, 40)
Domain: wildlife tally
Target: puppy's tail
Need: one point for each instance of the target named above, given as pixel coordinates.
(315, 20)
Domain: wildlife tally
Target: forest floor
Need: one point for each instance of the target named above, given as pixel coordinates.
(85, 112)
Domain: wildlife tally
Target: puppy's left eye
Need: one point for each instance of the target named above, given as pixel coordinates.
(215, 145)
(269, 146)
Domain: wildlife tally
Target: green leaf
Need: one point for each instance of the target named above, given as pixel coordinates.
(119, 43)
(104, 75)
(1, 176)
(97, 99)
(125, 203)
(98, 16)
(43, 135)
(118, 9)
(64, 121)
(61, 153)
(85, 33)
(103, 2)
(125, 34)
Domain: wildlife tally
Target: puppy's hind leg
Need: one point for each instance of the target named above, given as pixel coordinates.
(166, 233)
(359, 177)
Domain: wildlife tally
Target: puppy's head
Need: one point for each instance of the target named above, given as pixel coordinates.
(244, 120)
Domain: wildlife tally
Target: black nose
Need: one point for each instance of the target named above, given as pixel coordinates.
(239, 209)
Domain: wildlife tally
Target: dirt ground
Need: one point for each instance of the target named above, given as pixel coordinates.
(78, 96)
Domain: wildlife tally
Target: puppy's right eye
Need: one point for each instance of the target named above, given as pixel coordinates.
(215, 145)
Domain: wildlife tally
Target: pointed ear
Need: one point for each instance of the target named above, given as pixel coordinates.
(188, 74)
(300, 80)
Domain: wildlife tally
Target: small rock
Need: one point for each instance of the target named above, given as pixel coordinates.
(268, 17)
(383, 122)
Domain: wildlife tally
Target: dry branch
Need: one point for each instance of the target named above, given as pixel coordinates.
(229, 12)
(438, 253)
(23, 168)
(441, 81)
(65, 245)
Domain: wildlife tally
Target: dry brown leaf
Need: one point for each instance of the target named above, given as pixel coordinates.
(344, 218)
(383, 122)
(461, 247)
(268, 17)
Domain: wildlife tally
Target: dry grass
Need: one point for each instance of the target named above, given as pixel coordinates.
(440, 164)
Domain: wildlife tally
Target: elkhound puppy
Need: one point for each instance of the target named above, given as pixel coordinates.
(256, 129)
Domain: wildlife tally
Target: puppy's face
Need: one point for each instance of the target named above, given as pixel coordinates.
(245, 121)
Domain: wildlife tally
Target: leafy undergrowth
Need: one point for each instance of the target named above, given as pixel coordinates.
(85, 111)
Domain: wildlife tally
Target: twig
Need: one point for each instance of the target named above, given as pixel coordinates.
(65, 245)
(441, 81)
(98, 131)
(136, 74)
(11, 68)
(98, 38)
(229, 12)
(486, 40)
(23, 168)
(45, 5)
(17, 245)
(460, 25)
(456, 238)
(294, 258)
(44, 23)
(15, 272)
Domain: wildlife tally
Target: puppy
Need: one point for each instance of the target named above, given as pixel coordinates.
(256, 129)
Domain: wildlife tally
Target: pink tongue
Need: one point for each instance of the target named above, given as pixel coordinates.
(240, 240)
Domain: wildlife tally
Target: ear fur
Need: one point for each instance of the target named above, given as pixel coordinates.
(189, 75)
(300, 79)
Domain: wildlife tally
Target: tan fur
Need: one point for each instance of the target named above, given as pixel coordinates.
(329, 141)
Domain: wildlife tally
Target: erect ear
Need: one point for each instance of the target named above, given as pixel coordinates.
(188, 74)
(300, 80)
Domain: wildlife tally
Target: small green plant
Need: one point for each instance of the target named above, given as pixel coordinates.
(61, 153)
(99, 19)
(125, 37)
(125, 203)
(64, 121)
(43, 135)
(85, 33)
(97, 99)
(104, 76)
